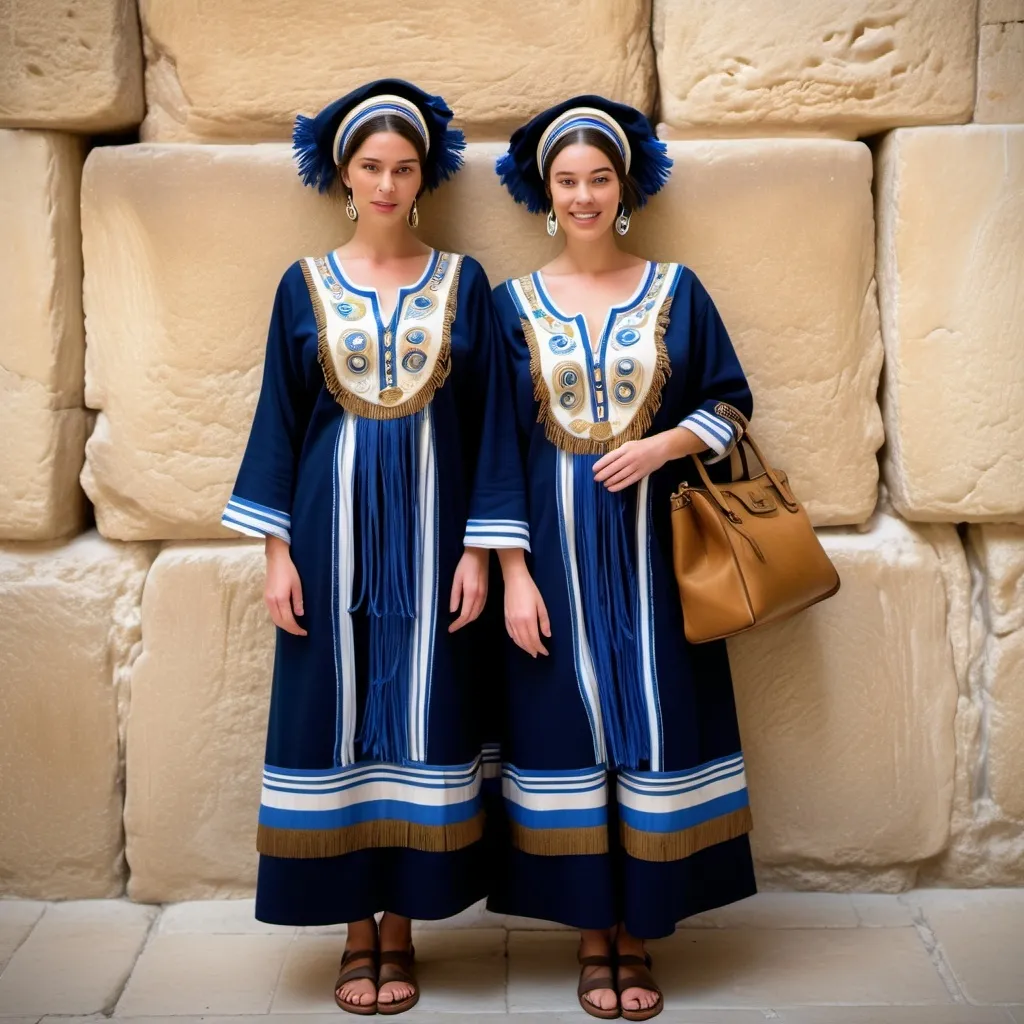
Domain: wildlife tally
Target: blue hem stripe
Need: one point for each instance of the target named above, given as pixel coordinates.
(676, 821)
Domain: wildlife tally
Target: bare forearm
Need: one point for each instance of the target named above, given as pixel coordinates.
(678, 442)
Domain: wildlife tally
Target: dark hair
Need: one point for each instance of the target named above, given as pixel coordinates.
(385, 123)
(597, 139)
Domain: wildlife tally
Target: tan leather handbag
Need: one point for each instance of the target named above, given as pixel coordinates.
(745, 553)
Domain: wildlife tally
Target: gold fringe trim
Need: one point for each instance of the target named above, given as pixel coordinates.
(306, 844)
(359, 406)
(664, 846)
(642, 419)
(557, 842)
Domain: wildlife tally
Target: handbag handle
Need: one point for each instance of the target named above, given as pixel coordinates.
(788, 501)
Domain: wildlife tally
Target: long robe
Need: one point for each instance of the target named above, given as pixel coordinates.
(623, 778)
(378, 451)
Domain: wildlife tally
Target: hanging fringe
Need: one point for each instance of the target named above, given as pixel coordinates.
(385, 496)
(559, 842)
(417, 401)
(664, 846)
(306, 844)
(608, 587)
(642, 419)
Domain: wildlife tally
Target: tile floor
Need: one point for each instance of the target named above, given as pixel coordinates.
(925, 957)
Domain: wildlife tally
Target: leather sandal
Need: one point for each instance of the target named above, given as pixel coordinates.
(637, 975)
(599, 979)
(397, 965)
(368, 971)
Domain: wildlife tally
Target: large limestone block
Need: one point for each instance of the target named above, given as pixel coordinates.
(184, 246)
(782, 234)
(71, 65)
(846, 713)
(242, 70)
(951, 248)
(69, 629)
(196, 730)
(41, 336)
(813, 67)
(1000, 62)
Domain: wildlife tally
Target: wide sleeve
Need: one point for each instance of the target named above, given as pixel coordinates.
(497, 507)
(261, 502)
(720, 398)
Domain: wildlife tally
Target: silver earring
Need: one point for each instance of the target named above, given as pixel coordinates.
(414, 216)
(622, 221)
(552, 223)
(350, 208)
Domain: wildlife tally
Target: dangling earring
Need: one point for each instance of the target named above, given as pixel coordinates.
(552, 223)
(622, 221)
(350, 208)
(414, 216)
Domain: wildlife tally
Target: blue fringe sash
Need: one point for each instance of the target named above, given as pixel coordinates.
(608, 589)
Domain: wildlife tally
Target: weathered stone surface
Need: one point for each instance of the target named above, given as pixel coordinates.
(70, 65)
(846, 713)
(179, 285)
(41, 336)
(196, 729)
(1000, 62)
(793, 279)
(69, 625)
(814, 67)
(495, 65)
(953, 320)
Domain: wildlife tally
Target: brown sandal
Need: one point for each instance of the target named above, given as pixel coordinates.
(638, 975)
(600, 979)
(368, 971)
(397, 965)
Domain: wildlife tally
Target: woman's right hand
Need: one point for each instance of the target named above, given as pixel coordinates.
(526, 617)
(283, 592)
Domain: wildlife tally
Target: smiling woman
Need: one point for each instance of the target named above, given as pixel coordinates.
(380, 472)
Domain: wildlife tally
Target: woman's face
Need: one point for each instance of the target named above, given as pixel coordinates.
(384, 176)
(585, 191)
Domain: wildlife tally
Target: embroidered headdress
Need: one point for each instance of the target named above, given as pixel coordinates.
(320, 142)
(643, 154)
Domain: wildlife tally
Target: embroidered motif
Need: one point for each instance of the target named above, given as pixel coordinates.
(596, 406)
(378, 370)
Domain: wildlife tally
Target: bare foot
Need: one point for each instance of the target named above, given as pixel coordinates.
(633, 998)
(395, 934)
(594, 942)
(361, 991)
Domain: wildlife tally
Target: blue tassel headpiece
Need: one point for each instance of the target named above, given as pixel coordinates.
(644, 154)
(316, 140)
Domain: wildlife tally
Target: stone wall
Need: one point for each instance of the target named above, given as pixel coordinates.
(849, 183)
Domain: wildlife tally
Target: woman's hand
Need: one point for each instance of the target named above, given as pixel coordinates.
(637, 459)
(526, 618)
(469, 588)
(283, 591)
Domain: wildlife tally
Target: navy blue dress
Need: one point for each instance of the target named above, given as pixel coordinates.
(623, 780)
(378, 451)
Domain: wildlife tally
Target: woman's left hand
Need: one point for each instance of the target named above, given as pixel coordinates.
(630, 463)
(469, 588)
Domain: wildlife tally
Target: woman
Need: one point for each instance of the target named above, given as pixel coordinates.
(623, 777)
(380, 400)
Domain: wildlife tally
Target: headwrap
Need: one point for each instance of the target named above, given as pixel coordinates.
(320, 142)
(643, 154)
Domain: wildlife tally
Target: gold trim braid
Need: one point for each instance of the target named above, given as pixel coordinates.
(642, 418)
(665, 846)
(368, 410)
(556, 842)
(306, 844)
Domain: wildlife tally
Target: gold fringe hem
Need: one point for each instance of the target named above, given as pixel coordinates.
(557, 842)
(359, 406)
(305, 844)
(642, 419)
(665, 846)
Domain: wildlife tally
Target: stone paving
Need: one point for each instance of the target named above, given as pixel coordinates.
(925, 957)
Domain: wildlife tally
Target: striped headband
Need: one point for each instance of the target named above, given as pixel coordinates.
(583, 117)
(374, 106)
